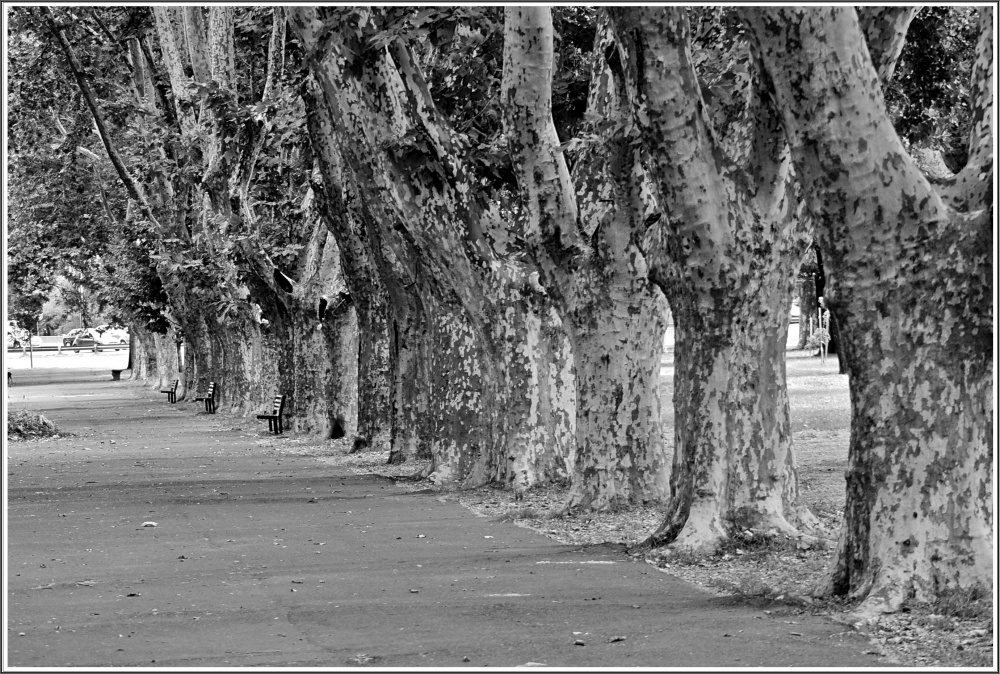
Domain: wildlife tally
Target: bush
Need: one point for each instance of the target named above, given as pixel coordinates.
(25, 425)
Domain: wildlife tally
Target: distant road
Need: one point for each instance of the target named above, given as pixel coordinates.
(47, 357)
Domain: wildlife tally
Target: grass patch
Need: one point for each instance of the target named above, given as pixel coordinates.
(515, 514)
(750, 586)
(25, 425)
(755, 546)
(967, 604)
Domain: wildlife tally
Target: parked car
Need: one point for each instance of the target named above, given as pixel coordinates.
(83, 337)
(112, 337)
(80, 338)
(107, 331)
(68, 338)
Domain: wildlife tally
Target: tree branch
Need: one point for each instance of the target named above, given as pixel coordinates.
(885, 33)
(685, 157)
(972, 188)
(545, 184)
(846, 149)
(134, 189)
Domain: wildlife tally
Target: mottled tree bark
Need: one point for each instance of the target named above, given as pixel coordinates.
(725, 253)
(142, 348)
(909, 275)
(418, 202)
(275, 337)
(361, 276)
(590, 263)
(807, 308)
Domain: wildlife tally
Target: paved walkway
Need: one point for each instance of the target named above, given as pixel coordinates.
(264, 559)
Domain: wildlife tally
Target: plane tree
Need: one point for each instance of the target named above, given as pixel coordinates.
(583, 227)
(725, 250)
(910, 278)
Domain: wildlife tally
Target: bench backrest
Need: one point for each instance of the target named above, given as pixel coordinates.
(211, 390)
(173, 387)
(279, 404)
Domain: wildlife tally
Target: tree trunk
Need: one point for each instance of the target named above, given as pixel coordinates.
(725, 252)
(909, 279)
(807, 308)
(374, 371)
(590, 264)
(466, 403)
(833, 338)
(361, 275)
(324, 341)
(617, 348)
(143, 355)
(410, 385)
(541, 370)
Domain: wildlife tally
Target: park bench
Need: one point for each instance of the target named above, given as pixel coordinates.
(171, 392)
(209, 398)
(274, 418)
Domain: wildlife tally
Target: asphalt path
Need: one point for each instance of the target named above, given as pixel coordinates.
(267, 559)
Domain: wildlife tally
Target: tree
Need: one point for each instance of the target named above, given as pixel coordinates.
(725, 252)
(66, 217)
(584, 228)
(910, 280)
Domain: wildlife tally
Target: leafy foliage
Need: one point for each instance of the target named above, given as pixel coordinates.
(928, 97)
(66, 206)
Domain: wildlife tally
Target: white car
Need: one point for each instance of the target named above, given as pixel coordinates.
(112, 337)
(120, 334)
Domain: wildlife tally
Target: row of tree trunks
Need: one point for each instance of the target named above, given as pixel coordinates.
(298, 340)
(465, 361)
(451, 385)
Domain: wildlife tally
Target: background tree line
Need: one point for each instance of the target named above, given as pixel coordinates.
(454, 234)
